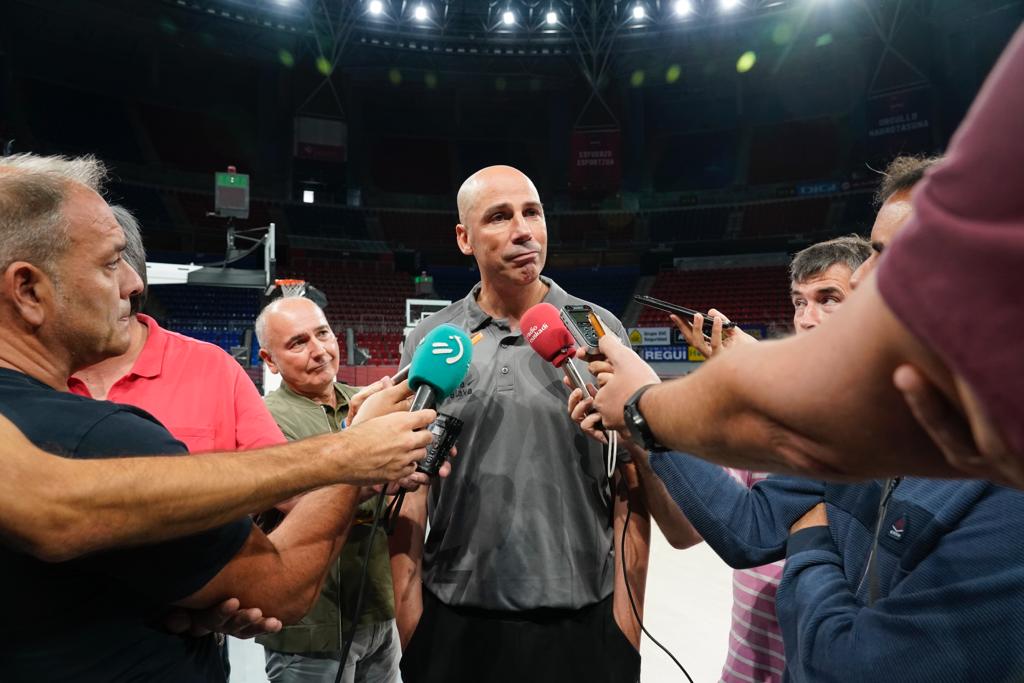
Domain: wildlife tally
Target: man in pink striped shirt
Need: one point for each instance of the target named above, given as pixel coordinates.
(820, 281)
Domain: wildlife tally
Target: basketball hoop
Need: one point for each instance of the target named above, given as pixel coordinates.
(291, 287)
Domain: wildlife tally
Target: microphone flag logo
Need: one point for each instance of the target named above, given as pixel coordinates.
(445, 349)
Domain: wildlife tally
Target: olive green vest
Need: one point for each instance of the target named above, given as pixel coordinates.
(323, 628)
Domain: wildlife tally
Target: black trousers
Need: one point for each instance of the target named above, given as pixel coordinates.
(467, 645)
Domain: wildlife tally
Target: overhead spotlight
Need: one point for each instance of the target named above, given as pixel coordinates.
(308, 196)
(728, 5)
(376, 7)
(683, 7)
(552, 18)
(508, 18)
(420, 13)
(639, 12)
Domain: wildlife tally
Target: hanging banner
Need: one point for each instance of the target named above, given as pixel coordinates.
(595, 160)
(900, 123)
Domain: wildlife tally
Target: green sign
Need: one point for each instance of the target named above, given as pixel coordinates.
(232, 180)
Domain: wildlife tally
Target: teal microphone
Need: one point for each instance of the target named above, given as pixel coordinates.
(439, 365)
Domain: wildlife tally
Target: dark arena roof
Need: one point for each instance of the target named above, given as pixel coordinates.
(650, 127)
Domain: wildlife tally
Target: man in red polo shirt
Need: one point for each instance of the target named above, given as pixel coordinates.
(195, 389)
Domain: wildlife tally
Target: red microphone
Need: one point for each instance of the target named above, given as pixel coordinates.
(550, 338)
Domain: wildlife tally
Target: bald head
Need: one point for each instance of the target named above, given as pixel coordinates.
(483, 182)
(280, 312)
(297, 342)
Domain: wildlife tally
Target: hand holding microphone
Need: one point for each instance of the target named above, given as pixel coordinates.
(550, 338)
(438, 367)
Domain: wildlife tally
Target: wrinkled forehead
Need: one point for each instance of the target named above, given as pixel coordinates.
(513, 189)
(90, 220)
(837, 276)
(296, 316)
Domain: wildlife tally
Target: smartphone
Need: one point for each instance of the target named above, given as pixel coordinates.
(577, 319)
(681, 311)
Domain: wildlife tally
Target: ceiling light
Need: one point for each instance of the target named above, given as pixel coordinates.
(552, 17)
(420, 13)
(376, 7)
(508, 18)
(639, 12)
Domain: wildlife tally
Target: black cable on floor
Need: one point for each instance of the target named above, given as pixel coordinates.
(632, 603)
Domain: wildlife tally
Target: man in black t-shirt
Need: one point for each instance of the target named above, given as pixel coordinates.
(99, 616)
(64, 304)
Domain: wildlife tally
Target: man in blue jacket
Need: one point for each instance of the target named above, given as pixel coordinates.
(915, 579)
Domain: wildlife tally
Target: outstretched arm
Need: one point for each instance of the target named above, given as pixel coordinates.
(757, 407)
(57, 508)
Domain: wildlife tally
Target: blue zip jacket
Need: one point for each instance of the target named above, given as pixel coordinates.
(949, 579)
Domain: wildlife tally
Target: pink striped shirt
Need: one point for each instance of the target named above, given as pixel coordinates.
(755, 641)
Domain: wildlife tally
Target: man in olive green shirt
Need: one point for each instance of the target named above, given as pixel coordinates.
(297, 342)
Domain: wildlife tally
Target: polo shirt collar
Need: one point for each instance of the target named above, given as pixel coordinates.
(342, 401)
(151, 361)
(477, 319)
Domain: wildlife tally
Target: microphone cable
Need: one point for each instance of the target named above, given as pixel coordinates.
(357, 612)
(632, 602)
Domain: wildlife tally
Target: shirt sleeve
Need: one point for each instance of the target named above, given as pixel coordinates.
(746, 527)
(254, 425)
(954, 266)
(956, 616)
(165, 572)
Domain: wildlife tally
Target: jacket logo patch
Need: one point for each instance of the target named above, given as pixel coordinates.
(897, 528)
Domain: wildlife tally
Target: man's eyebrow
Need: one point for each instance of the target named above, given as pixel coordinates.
(295, 338)
(495, 207)
(829, 290)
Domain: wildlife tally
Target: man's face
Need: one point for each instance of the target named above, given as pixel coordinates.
(504, 227)
(818, 297)
(301, 346)
(893, 215)
(94, 284)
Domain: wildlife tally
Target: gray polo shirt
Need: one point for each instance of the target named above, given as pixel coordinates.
(524, 520)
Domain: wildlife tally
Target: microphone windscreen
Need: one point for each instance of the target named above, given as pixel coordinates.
(547, 334)
(441, 361)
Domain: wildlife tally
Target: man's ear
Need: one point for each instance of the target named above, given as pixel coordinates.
(30, 291)
(462, 238)
(269, 361)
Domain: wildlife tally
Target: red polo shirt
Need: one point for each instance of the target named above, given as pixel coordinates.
(199, 392)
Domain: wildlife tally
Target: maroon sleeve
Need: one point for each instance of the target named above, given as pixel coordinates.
(953, 275)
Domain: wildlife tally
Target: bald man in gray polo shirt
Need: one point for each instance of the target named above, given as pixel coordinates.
(519, 566)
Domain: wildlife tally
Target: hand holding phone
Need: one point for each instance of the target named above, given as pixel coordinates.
(681, 311)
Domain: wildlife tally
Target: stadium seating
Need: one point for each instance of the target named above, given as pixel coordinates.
(219, 315)
(753, 295)
(367, 296)
(777, 152)
(807, 216)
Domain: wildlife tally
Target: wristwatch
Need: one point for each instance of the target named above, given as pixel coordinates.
(639, 431)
